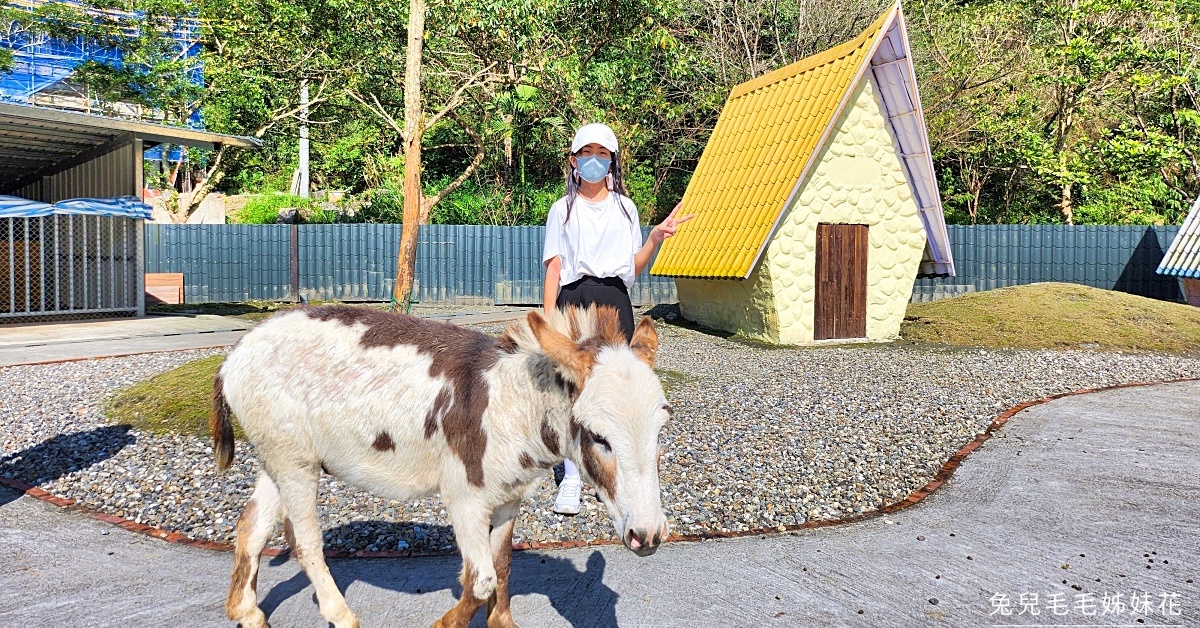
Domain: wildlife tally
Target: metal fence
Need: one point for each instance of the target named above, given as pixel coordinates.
(502, 265)
(62, 266)
(1121, 258)
(357, 262)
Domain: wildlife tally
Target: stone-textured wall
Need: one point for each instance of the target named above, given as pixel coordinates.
(746, 306)
(858, 179)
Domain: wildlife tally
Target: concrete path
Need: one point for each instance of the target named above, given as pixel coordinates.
(49, 342)
(46, 342)
(1073, 500)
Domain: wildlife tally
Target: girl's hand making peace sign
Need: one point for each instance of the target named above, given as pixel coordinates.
(669, 225)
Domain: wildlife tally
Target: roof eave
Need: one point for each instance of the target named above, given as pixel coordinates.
(151, 132)
(1182, 257)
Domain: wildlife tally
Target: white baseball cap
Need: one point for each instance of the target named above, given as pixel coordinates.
(594, 133)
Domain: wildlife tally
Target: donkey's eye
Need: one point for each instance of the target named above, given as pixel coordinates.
(599, 440)
(669, 409)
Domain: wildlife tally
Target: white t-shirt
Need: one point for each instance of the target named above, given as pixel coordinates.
(599, 240)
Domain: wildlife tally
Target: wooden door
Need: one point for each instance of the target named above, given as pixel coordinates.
(841, 305)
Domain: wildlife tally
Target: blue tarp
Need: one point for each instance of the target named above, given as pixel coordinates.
(125, 206)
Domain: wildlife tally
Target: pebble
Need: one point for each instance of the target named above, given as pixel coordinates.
(761, 439)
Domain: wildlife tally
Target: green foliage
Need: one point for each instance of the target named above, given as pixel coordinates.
(1039, 111)
(380, 205)
(1055, 111)
(264, 210)
(640, 182)
(469, 205)
(151, 35)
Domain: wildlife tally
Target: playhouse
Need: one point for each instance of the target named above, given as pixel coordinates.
(815, 200)
(1182, 259)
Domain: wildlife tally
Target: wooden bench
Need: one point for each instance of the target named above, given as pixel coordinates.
(164, 288)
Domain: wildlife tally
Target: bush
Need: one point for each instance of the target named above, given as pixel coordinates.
(1138, 201)
(639, 180)
(264, 210)
(473, 204)
(470, 205)
(536, 201)
(380, 205)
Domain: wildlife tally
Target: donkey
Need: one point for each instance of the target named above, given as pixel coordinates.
(405, 408)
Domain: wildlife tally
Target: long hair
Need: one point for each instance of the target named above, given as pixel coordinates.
(618, 187)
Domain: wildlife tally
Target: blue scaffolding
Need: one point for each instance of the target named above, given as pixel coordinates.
(43, 65)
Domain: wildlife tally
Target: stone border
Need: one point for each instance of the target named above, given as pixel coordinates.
(916, 497)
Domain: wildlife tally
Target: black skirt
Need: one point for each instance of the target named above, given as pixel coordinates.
(600, 291)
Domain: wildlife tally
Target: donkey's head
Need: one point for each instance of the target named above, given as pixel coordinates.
(616, 417)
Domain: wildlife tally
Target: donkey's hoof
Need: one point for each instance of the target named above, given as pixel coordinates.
(254, 620)
(501, 620)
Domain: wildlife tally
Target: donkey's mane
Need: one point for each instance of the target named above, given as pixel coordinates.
(595, 326)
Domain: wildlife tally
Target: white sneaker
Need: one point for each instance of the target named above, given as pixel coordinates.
(568, 496)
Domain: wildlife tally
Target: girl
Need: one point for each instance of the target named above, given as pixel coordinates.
(594, 249)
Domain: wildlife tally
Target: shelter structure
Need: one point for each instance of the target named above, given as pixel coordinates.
(71, 212)
(1182, 259)
(815, 200)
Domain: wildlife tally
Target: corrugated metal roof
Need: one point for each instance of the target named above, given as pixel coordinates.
(766, 140)
(36, 142)
(1182, 258)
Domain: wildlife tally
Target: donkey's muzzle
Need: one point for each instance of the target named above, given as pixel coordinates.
(643, 542)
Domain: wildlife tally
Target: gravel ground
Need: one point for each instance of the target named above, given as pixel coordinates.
(761, 437)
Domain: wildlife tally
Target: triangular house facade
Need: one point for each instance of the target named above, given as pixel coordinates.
(815, 200)
(1182, 259)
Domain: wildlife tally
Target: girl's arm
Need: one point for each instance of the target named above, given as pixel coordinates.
(550, 290)
(660, 232)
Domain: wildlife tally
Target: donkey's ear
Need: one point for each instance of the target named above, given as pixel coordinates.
(574, 363)
(645, 341)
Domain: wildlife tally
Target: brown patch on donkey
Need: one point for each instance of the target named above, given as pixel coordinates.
(383, 442)
(459, 355)
(243, 565)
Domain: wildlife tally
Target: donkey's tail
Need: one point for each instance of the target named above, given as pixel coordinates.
(219, 425)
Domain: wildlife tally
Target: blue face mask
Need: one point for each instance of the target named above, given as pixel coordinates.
(592, 169)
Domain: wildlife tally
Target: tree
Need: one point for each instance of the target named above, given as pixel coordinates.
(1060, 110)
(414, 134)
(973, 69)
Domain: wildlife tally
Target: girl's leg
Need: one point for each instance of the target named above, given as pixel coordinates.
(569, 490)
(613, 294)
(571, 487)
(585, 294)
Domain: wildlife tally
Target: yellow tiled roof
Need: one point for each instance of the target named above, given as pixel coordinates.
(768, 131)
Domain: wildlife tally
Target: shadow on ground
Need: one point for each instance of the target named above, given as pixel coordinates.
(580, 597)
(62, 455)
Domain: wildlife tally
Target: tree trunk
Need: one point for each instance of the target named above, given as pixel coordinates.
(413, 132)
(211, 179)
(1066, 205)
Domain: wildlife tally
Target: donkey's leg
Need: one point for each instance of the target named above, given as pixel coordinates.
(254, 528)
(471, 522)
(298, 489)
(503, 520)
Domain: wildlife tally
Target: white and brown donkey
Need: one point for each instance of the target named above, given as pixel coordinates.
(405, 408)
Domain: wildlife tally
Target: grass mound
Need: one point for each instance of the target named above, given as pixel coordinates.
(175, 402)
(1056, 315)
